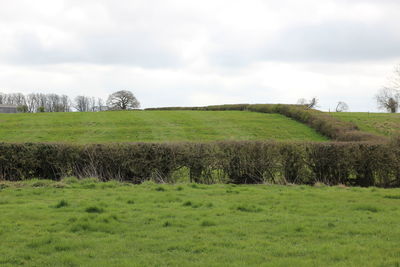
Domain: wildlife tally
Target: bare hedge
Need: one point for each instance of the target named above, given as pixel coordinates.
(349, 163)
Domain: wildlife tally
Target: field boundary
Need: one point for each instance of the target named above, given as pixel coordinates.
(252, 162)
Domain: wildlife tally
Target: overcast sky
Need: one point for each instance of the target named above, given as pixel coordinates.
(186, 52)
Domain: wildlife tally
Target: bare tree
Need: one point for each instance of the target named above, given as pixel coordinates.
(92, 104)
(42, 100)
(341, 106)
(312, 103)
(32, 102)
(65, 103)
(388, 99)
(15, 99)
(394, 81)
(100, 105)
(122, 100)
(81, 103)
(53, 103)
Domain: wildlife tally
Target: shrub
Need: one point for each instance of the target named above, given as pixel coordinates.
(332, 163)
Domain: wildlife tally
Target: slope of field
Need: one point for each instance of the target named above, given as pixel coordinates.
(86, 223)
(151, 126)
(377, 123)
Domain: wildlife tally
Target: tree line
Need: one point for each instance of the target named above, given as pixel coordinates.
(39, 102)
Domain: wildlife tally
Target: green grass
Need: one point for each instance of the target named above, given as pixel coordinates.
(151, 126)
(385, 124)
(86, 223)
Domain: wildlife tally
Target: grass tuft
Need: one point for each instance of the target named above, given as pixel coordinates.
(94, 209)
(167, 224)
(187, 203)
(160, 189)
(62, 203)
(207, 223)
(3, 186)
(249, 208)
(367, 208)
(392, 196)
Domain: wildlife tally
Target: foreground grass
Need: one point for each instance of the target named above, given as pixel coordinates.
(151, 126)
(86, 223)
(386, 124)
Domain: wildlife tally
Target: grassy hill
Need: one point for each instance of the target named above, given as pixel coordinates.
(377, 123)
(84, 223)
(151, 126)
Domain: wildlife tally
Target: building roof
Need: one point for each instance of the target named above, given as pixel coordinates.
(8, 106)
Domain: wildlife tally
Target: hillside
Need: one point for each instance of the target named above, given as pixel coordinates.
(377, 123)
(152, 126)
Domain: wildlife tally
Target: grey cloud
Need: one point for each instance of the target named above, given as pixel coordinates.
(327, 42)
(127, 48)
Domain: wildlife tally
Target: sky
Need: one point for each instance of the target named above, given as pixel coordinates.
(194, 53)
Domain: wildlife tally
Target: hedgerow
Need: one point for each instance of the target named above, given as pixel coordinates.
(354, 158)
(348, 163)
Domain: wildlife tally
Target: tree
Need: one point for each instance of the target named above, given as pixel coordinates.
(32, 102)
(394, 81)
(23, 109)
(341, 106)
(82, 103)
(100, 105)
(122, 100)
(308, 103)
(65, 103)
(388, 99)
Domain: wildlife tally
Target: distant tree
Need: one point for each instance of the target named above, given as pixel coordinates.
(388, 99)
(53, 103)
(32, 102)
(312, 103)
(92, 104)
(341, 106)
(81, 103)
(42, 102)
(394, 81)
(15, 99)
(65, 103)
(122, 100)
(23, 109)
(100, 106)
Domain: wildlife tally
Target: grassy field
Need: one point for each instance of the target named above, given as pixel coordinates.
(377, 123)
(86, 223)
(151, 126)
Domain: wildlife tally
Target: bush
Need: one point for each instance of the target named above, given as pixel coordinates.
(333, 163)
